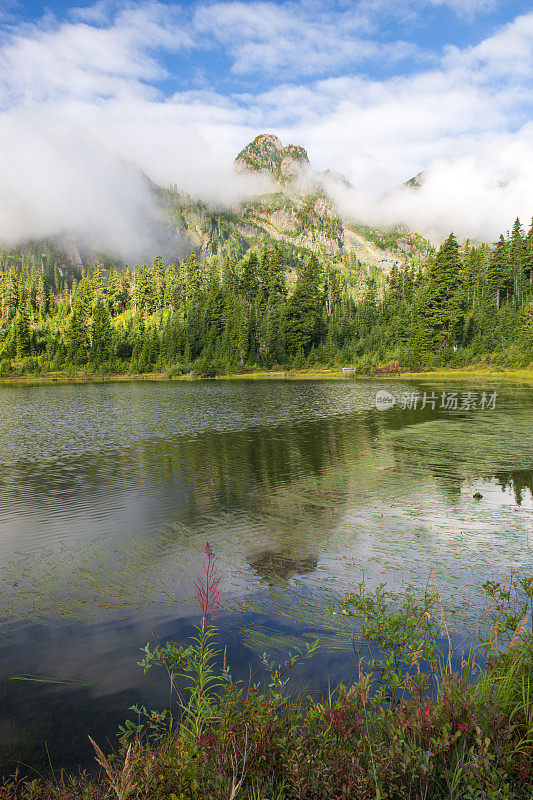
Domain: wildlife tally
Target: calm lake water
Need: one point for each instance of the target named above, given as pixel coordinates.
(109, 492)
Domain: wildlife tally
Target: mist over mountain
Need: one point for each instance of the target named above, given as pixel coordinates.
(285, 202)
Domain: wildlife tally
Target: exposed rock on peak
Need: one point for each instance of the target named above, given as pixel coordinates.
(416, 182)
(267, 154)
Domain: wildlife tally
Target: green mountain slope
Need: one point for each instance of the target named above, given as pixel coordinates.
(296, 216)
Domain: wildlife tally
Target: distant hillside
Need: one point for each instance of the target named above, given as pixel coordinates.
(61, 263)
(297, 216)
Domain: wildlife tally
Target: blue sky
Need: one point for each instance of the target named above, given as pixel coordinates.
(375, 89)
(413, 35)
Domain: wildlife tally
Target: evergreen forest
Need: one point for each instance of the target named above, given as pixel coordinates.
(463, 305)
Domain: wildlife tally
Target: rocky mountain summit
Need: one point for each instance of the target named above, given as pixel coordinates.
(267, 154)
(297, 211)
(294, 213)
(300, 212)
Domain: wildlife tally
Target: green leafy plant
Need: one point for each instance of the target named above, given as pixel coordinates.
(197, 662)
(395, 637)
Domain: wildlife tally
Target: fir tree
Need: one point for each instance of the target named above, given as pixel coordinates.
(101, 335)
(22, 335)
(443, 298)
(499, 270)
(303, 309)
(77, 337)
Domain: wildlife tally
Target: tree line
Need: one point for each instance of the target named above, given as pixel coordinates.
(464, 305)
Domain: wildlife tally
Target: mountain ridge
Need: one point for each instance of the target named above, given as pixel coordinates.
(296, 213)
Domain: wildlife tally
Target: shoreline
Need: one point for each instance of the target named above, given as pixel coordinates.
(474, 373)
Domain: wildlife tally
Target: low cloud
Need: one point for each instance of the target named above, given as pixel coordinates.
(83, 117)
(476, 196)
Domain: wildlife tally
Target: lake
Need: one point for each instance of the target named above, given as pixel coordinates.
(109, 493)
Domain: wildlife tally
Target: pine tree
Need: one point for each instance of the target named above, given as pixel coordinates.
(44, 294)
(499, 269)
(11, 295)
(84, 297)
(443, 296)
(171, 295)
(303, 309)
(145, 290)
(101, 335)
(277, 284)
(77, 337)
(22, 334)
(191, 277)
(158, 272)
(116, 293)
(421, 340)
(517, 246)
(249, 282)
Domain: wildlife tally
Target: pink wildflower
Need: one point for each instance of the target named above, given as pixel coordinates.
(206, 585)
(463, 727)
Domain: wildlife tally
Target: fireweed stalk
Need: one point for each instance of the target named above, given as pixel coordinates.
(197, 662)
(466, 741)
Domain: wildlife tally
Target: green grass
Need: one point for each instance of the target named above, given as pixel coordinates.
(316, 373)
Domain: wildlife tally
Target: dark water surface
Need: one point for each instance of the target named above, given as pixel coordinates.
(109, 492)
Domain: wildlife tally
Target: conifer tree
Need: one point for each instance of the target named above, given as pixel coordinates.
(191, 277)
(499, 270)
(84, 294)
(22, 334)
(77, 337)
(116, 293)
(11, 294)
(101, 335)
(277, 284)
(171, 295)
(303, 308)
(158, 272)
(44, 294)
(442, 299)
(249, 282)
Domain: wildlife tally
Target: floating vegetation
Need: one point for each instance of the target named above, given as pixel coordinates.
(89, 581)
(57, 679)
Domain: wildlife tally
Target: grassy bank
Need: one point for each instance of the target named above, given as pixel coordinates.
(472, 373)
(411, 727)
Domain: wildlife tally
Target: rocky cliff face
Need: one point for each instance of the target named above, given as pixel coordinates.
(296, 214)
(297, 211)
(267, 154)
(300, 212)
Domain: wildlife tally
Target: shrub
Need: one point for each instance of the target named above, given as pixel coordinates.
(383, 738)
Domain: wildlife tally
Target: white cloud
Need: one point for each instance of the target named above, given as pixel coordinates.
(477, 195)
(264, 36)
(412, 11)
(51, 60)
(82, 113)
(507, 54)
(62, 182)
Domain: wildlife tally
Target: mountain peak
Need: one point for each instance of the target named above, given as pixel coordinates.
(267, 154)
